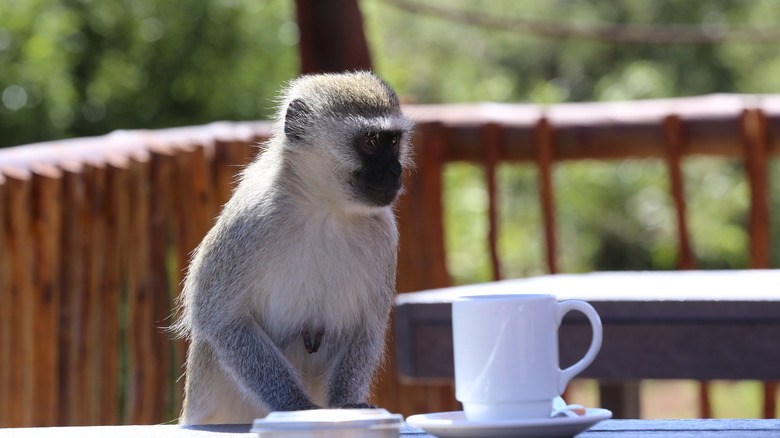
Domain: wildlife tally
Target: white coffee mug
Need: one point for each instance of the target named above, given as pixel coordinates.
(506, 354)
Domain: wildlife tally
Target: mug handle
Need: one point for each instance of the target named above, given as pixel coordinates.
(565, 307)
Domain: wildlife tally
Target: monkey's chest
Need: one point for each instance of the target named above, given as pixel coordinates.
(323, 287)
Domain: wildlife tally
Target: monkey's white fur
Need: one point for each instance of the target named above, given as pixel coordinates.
(291, 249)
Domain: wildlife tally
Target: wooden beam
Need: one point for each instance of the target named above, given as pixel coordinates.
(331, 36)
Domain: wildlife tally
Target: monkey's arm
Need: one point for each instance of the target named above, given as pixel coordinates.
(349, 381)
(255, 363)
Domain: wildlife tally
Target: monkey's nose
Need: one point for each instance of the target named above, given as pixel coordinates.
(395, 169)
(394, 178)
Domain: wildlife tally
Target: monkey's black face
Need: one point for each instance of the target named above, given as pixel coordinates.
(379, 179)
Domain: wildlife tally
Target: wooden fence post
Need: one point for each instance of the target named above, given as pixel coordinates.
(94, 225)
(422, 259)
(673, 135)
(492, 140)
(20, 243)
(116, 211)
(46, 224)
(545, 155)
(5, 307)
(162, 167)
(142, 378)
(76, 309)
(755, 134)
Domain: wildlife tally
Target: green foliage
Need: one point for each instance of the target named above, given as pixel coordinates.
(86, 67)
(514, 66)
(610, 215)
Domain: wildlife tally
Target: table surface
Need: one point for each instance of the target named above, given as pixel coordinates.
(700, 325)
(735, 428)
(666, 325)
(626, 286)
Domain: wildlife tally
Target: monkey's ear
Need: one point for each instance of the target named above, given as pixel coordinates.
(295, 120)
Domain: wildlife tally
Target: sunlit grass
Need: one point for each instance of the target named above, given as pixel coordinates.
(670, 399)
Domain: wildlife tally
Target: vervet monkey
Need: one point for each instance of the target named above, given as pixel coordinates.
(287, 298)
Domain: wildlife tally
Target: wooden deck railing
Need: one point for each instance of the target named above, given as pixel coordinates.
(95, 234)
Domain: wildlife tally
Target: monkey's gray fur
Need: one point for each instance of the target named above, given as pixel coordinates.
(287, 298)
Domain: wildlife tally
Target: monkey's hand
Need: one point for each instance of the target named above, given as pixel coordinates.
(305, 407)
(357, 406)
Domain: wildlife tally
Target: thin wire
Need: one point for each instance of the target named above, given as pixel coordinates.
(635, 34)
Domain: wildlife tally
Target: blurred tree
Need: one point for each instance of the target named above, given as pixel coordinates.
(86, 67)
(612, 215)
(510, 65)
(83, 67)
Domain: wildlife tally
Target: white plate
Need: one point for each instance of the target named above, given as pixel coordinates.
(455, 425)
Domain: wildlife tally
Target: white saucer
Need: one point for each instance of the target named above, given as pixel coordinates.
(455, 425)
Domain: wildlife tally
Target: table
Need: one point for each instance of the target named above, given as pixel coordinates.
(606, 429)
(699, 325)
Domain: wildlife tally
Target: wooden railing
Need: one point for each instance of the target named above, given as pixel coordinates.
(731, 126)
(96, 232)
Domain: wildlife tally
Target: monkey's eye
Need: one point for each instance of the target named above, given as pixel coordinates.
(370, 142)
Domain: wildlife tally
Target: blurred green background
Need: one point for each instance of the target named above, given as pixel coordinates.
(71, 68)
